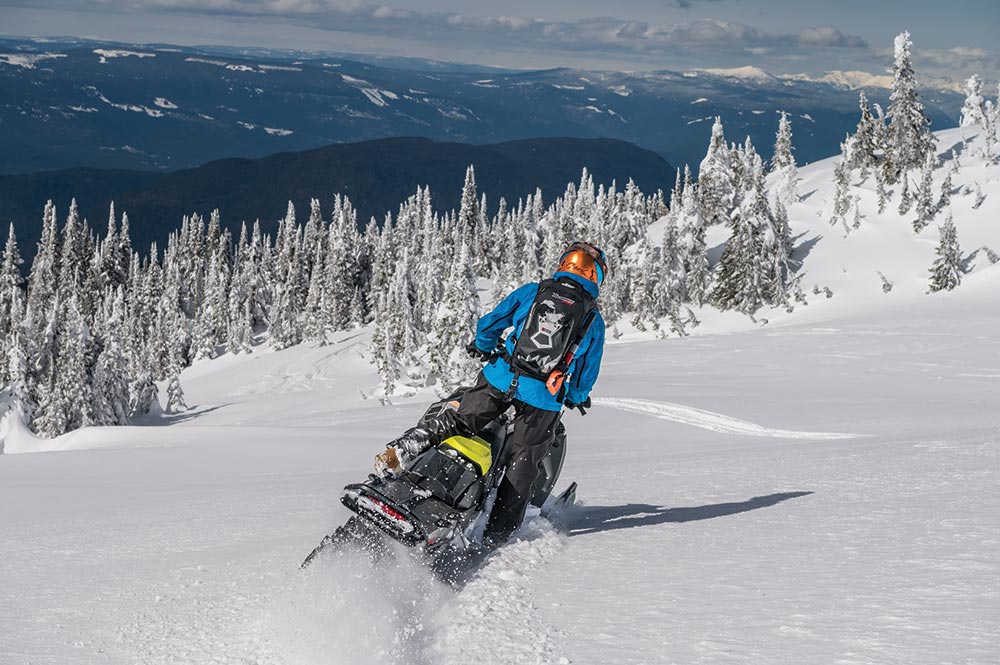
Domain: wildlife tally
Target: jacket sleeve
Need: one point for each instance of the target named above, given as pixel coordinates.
(492, 325)
(588, 365)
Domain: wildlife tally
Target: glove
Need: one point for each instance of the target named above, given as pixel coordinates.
(582, 406)
(475, 352)
(388, 464)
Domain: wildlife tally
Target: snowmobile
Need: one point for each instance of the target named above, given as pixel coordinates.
(442, 498)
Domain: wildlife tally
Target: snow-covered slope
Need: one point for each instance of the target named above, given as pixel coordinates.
(848, 260)
(819, 489)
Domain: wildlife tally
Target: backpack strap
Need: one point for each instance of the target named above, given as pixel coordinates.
(558, 376)
(509, 395)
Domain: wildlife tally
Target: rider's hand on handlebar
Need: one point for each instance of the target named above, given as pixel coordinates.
(475, 352)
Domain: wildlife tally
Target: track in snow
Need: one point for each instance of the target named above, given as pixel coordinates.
(494, 613)
(716, 422)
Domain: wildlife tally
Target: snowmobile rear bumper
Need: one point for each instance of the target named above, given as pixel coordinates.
(412, 519)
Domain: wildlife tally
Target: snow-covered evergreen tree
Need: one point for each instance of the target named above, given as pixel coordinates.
(72, 261)
(67, 401)
(786, 189)
(925, 202)
(468, 212)
(778, 252)
(865, 145)
(980, 197)
(974, 109)
(672, 280)
(341, 268)
(753, 270)
(50, 415)
(18, 372)
(783, 144)
(644, 300)
(909, 138)
(944, 200)
(286, 329)
(11, 300)
(111, 370)
(311, 247)
(211, 325)
(740, 275)
(905, 197)
(175, 396)
(692, 243)
(716, 185)
(315, 324)
(260, 276)
(992, 113)
(841, 197)
(115, 252)
(398, 320)
(144, 396)
(44, 274)
(857, 216)
(506, 247)
(240, 315)
(946, 273)
(455, 323)
(880, 192)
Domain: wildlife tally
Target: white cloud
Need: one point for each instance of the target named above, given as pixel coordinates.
(366, 17)
(266, 7)
(964, 52)
(386, 12)
(828, 36)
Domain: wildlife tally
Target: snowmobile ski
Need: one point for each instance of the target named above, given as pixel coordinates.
(561, 503)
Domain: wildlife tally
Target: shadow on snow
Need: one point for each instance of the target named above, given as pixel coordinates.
(594, 519)
(163, 419)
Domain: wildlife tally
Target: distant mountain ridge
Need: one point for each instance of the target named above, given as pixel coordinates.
(376, 175)
(79, 103)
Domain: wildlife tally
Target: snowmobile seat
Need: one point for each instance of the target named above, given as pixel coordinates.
(494, 432)
(475, 449)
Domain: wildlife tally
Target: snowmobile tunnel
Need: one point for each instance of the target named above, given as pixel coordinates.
(473, 448)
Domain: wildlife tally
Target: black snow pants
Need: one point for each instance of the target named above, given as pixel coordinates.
(534, 431)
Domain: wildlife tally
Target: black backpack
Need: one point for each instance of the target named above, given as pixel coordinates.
(558, 320)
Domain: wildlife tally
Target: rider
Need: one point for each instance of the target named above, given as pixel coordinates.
(537, 406)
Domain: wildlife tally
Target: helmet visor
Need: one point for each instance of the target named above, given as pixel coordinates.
(585, 260)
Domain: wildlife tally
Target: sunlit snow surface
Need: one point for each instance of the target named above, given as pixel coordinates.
(820, 489)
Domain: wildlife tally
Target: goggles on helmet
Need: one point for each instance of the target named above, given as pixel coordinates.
(586, 260)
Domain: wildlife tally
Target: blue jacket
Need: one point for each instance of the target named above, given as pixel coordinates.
(513, 311)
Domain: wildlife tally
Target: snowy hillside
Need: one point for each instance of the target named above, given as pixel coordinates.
(821, 488)
(848, 260)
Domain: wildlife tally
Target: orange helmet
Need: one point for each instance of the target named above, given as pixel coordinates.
(586, 260)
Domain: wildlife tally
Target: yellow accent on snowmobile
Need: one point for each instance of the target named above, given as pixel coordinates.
(476, 450)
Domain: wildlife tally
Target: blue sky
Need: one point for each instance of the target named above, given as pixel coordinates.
(952, 39)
